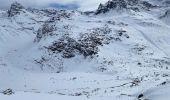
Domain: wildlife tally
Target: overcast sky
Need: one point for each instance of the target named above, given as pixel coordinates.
(79, 4)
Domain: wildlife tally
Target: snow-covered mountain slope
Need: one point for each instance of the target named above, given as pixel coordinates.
(64, 54)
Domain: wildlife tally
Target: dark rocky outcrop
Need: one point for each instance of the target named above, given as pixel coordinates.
(118, 5)
(68, 47)
(166, 2)
(86, 45)
(8, 92)
(114, 4)
(147, 5)
(166, 14)
(49, 26)
(45, 30)
(140, 96)
(15, 9)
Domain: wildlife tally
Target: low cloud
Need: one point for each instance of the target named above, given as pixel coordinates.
(90, 4)
(64, 6)
(68, 4)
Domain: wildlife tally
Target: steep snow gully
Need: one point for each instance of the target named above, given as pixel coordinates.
(121, 51)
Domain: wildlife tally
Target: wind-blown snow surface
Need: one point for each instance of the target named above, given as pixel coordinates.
(130, 64)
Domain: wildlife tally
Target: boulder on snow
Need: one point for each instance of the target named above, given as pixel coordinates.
(140, 96)
(8, 92)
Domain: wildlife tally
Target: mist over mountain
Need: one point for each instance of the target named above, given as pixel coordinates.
(66, 7)
(81, 5)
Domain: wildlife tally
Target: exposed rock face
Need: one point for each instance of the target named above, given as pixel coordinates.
(147, 5)
(86, 45)
(114, 4)
(123, 4)
(46, 29)
(15, 9)
(49, 26)
(166, 2)
(133, 2)
(166, 15)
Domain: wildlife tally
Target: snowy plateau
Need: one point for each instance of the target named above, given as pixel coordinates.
(120, 51)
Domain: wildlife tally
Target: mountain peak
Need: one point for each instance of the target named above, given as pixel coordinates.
(15, 9)
(123, 4)
(112, 4)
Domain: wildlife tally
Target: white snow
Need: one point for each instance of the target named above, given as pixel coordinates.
(81, 78)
